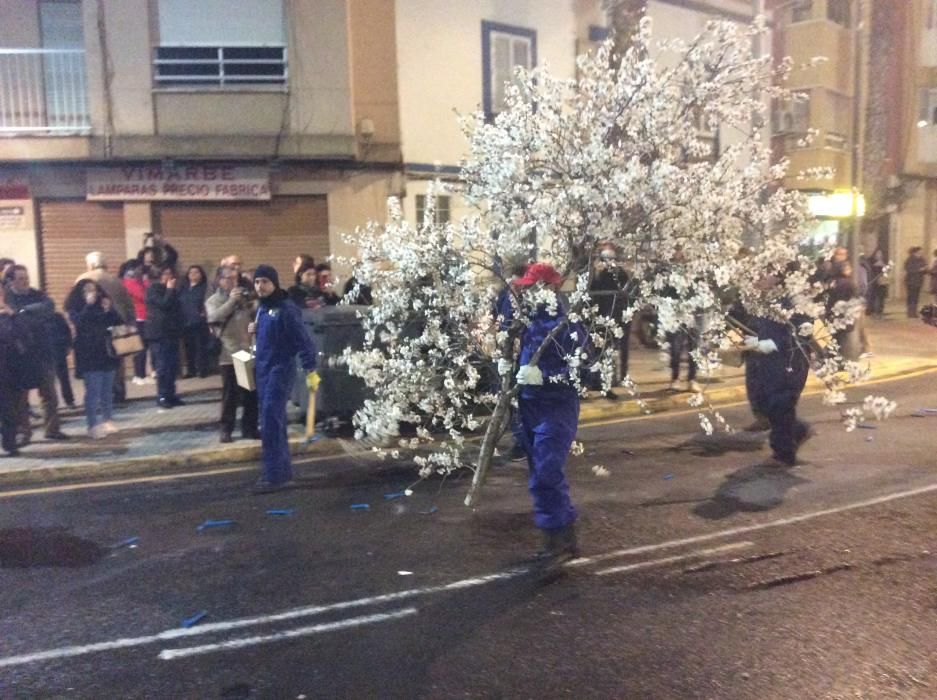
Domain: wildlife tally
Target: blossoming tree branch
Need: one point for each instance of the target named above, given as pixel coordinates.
(621, 157)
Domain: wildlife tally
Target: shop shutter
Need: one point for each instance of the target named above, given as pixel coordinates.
(68, 231)
(272, 232)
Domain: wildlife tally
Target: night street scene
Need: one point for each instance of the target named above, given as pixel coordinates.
(468, 349)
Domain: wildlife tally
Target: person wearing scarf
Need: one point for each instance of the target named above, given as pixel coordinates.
(280, 336)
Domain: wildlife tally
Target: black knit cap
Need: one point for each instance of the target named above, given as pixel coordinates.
(269, 272)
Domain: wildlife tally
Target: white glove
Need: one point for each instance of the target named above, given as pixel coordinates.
(504, 366)
(530, 375)
(750, 342)
(766, 347)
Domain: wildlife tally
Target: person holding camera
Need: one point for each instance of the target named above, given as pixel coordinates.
(163, 331)
(92, 313)
(230, 311)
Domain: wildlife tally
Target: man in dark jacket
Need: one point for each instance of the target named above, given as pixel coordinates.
(280, 337)
(915, 269)
(38, 313)
(776, 369)
(163, 331)
(609, 290)
(18, 373)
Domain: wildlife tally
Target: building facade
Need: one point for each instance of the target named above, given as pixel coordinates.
(454, 58)
(262, 127)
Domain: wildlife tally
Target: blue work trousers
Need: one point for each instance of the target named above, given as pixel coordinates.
(549, 422)
(787, 432)
(273, 391)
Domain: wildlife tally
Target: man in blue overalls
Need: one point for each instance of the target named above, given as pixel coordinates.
(280, 336)
(775, 374)
(549, 412)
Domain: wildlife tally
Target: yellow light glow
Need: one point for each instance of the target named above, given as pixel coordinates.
(836, 205)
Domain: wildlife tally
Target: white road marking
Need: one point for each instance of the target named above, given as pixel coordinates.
(307, 611)
(64, 652)
(744, 529)
(170, 654)
(679, 557)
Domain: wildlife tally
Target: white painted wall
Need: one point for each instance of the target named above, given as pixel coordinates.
(439, 58)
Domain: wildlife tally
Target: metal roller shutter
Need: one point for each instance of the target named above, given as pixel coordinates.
(260, 232)
(68, 231)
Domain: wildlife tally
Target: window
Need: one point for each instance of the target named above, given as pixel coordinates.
(220, 42)
(220, 65)
(928, 111)
(504, 48)
(801, 10)
(442, 209)
(838, 11)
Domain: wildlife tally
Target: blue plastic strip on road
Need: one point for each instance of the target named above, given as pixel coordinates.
(195, 619)
(127, 542)
(214, 523)
(360, 506)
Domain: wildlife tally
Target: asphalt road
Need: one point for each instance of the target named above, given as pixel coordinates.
(704, 576)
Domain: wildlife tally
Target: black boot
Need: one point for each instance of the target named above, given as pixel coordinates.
(559, 546)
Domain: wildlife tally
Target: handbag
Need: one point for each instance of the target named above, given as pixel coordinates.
(124, 340)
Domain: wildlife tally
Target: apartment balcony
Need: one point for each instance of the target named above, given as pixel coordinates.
(43, 92)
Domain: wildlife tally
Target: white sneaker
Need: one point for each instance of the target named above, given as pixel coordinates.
(675, 385)
(97, 432)
(108, 427)
(694, 387)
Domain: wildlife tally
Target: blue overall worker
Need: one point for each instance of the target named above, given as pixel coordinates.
(775, 375)
(280, 336)
(549, 410)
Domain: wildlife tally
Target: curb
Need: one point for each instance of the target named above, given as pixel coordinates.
(606, 409)
(595, 410)
(156, 465)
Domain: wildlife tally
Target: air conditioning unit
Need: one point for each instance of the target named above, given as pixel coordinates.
(783, 121)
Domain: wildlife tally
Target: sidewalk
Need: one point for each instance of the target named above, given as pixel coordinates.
(152, 441)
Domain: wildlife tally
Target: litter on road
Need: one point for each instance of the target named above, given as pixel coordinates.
(360, 506)
(280, 511)
(405, 573)
(430, 511)
(866, 426)
(195, 619)
(391, 496)
(129, 542)
(668, 477)
(214, 523)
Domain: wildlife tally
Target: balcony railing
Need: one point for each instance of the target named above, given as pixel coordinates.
(43, 91)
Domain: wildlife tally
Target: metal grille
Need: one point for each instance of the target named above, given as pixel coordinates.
(219, 65)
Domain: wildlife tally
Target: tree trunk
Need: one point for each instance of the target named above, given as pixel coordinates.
(493, 433)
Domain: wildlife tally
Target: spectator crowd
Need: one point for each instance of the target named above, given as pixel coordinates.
(146, 318)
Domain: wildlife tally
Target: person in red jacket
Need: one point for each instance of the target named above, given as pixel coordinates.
(136, 283)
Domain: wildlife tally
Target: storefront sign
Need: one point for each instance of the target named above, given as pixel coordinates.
(12, 217)
(190, 182)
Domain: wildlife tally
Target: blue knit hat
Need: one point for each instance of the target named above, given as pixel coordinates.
(268, 272)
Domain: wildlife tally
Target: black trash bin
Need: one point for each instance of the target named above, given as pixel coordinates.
(333, 329)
